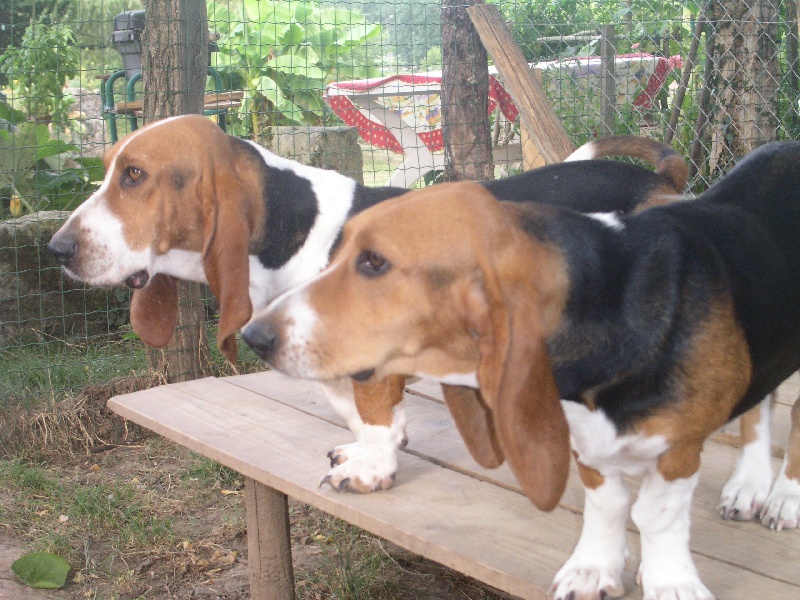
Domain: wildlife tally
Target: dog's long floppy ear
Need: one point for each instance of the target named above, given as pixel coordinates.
(226, 240)
(154, 310)
(517, 382)
(475, 423)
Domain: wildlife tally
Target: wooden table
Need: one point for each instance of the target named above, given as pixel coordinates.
(276, 431)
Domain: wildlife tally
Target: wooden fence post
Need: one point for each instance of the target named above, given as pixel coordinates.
(465, 96)
(608, 83)
(538, 117)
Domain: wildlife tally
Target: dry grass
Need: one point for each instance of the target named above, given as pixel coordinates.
(75, 423)
(146, 518)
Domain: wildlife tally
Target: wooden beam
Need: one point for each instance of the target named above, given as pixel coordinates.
(531, 156)
(537, 115)
(269, 549)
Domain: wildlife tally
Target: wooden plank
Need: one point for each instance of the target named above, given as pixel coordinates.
(776, 553)
(537, 115)
(531, 155)
(433, 437)
(789, 391)
(489, 532)
(262, 440)
(269, 545)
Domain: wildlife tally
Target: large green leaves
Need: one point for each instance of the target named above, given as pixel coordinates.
(22, 149)
(286, 51)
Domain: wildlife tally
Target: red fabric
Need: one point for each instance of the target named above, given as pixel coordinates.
(379, 135)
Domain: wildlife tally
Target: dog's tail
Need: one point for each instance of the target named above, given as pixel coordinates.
(667, 162)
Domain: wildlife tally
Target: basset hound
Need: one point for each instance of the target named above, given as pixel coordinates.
(625, 341)
(181, 199)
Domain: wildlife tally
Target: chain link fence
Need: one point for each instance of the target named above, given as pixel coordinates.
(715, 79)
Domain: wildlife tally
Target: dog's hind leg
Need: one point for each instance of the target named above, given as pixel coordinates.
(782, 507)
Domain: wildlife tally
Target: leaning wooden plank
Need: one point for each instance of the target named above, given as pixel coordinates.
(538, 117)
(433, 437)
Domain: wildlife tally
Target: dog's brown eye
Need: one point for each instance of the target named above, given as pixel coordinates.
(132, 176)
(372, 264)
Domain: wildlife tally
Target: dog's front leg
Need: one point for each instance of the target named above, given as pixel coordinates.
(594, 571)
(746, 491)
(661, 512)
(374, 413)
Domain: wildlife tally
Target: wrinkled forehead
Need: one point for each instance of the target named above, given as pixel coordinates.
(160, 139)
(441, 214)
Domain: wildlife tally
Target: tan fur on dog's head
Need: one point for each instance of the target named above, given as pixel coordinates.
(178, 185)
(443, 282)
(225, 193)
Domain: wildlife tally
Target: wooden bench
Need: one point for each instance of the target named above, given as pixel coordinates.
(276, 432)
(212, 102)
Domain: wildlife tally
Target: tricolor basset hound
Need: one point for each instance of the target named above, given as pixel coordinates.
(181, 199)
(625, 341)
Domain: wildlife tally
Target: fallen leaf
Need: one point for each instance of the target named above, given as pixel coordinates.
(42, 570)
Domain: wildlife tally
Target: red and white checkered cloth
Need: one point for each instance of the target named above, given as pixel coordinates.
(338, 95)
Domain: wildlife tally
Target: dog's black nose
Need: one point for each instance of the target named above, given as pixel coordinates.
(63, 247)
(262, 339)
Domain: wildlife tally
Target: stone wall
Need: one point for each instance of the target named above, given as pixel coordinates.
(324, 147)
(37, 301)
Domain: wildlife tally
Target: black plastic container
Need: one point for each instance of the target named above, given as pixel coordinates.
(127, 39)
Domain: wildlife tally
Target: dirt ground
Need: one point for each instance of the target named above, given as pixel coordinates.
(206, 557)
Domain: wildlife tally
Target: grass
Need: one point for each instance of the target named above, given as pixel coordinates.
(36, 372)
(208, 473)
(58, 512)
(352, 569)
(101, 519)
(155, 518)
(379, 165)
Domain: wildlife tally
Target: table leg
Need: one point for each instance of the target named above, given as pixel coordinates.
(268, 543)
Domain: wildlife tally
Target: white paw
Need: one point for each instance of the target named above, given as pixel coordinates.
(679, 583)
(670, 576)
(689, 590)
(586, 582)
(782, 507)
(744, 494)
(362, 467)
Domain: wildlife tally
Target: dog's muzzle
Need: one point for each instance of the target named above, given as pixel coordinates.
(263, 340)
(63, 248)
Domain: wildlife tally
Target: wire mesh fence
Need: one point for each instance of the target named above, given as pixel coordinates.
(715, 79)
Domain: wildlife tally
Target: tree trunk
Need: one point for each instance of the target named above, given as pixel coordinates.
(174, 71)
(465, 96)
(745, 79)
(174, 57)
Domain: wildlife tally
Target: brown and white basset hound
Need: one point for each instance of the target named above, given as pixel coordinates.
(181, 199)
(625, 341)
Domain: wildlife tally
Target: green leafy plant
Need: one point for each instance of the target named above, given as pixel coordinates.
(24, 152)
(283, 53)
(38, 69)
(42, 570)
